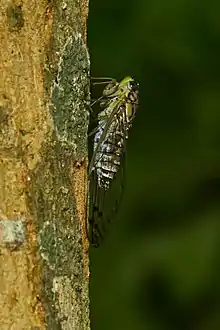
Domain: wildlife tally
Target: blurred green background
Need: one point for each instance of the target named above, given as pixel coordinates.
(158, 268)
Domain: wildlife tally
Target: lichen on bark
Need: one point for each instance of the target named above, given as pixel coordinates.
(44, 111)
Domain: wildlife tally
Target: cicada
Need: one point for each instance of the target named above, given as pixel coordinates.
(118, 104)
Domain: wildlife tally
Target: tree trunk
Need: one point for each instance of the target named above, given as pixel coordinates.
(43, 170)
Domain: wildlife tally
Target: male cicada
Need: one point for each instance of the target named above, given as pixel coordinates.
(118, 105)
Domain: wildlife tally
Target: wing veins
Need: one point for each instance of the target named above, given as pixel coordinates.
(102, 137)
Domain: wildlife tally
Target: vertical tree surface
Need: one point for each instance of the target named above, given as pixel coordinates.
(43, 164)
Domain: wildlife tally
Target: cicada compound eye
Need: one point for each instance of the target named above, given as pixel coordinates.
(133, 85)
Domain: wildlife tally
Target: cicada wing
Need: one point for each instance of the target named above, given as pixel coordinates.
(103, 205)
(95, 221)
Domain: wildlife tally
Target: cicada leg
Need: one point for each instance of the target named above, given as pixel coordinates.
(111, 87)
(108, 80)
(96, 101)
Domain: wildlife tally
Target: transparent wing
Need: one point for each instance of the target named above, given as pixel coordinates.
(115, 105)
(103, 206)
(104, 203)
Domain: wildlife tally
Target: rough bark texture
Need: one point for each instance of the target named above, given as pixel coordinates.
(43, 164)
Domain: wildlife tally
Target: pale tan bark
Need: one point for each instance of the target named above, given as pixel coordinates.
(44, 94)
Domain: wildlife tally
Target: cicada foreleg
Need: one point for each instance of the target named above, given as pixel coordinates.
(104, 80)
(111, 87)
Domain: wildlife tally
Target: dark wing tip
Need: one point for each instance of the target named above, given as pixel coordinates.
(95, 232)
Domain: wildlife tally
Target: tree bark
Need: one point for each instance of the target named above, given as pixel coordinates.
(43, 170)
